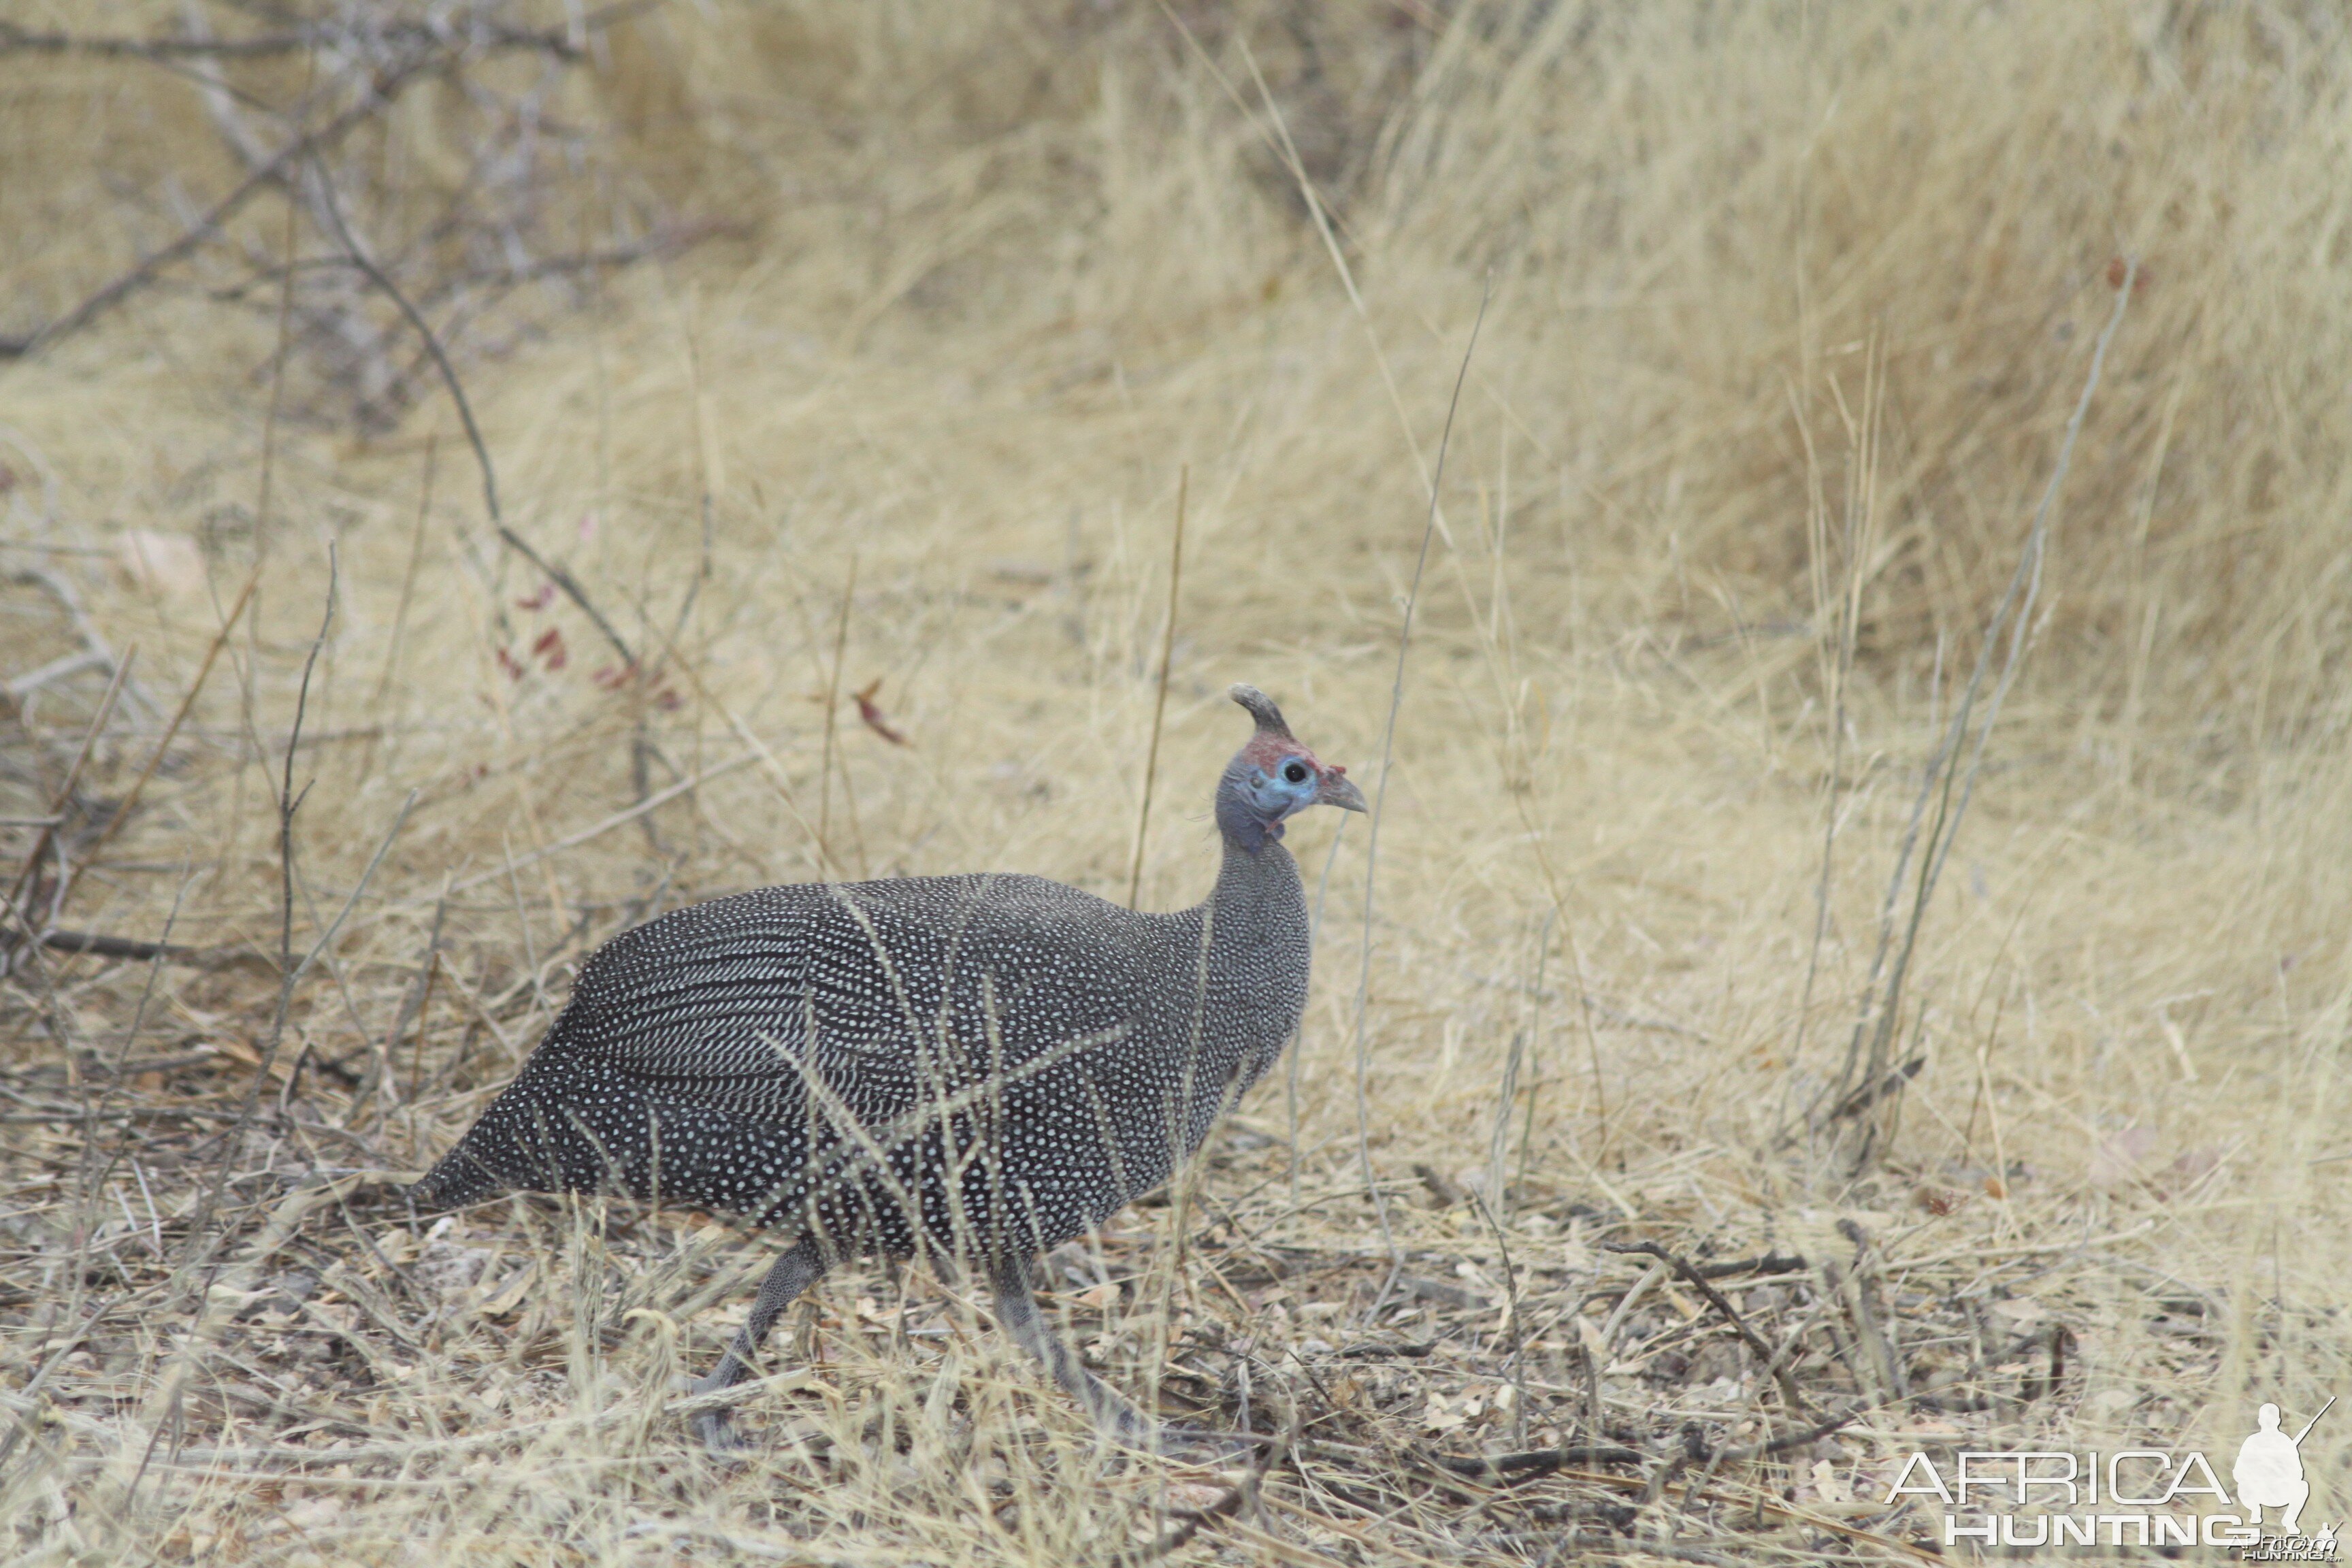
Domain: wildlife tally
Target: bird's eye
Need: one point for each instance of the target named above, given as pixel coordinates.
(1296, 771)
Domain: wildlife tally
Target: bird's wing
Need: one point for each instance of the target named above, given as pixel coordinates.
(873, 997)
(1015, 967)
(739, 1005)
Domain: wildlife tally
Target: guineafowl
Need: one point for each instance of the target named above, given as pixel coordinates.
(975, 1068)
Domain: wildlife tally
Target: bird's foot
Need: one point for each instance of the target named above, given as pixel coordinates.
(1199, 1445)
(1129, 1427)
(720, 1437)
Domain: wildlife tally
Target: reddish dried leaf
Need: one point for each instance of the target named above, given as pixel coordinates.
(874, 718)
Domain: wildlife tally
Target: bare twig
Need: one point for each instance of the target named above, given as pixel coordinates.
(1159, 703)
(1946, 788)
(664, 241)
(1380, 797)
(28, 875)
(659, 798)
(366, 263)
(1536, 1463)
(387, 87)
(1535, 1038)
(100, 945)
(163, 747)
(1714, 1298)
(1512, 1334)
(1860, 514)
(96, 652)
(482, 36)
(288, 804)
(1859, 1286)
(1870, 1094)
(408, 578)
(828, 860)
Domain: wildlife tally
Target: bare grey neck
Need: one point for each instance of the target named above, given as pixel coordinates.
(1256, 917)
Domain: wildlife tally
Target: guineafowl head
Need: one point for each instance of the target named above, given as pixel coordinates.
(1274, 777)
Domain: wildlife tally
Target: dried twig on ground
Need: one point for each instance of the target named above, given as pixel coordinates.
(1714, 1299)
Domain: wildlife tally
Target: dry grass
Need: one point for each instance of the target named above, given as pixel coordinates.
(1789, 307)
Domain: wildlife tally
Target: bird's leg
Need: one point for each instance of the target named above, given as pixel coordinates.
(1016, 1310)
(794, 1272)
(1113, 1414)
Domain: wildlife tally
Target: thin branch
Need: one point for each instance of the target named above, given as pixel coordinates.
(827, 859)
(1534, 1463)
(1870, 1094)
(1714, 1298)
(1380, 797)
(288, 804)
(20, 898)
(668, 241)
(163, 747)
(653, 801)
(477, 37)
(1159, 703)
(408, 577)
(1838, 672)
(100, 945)
(383, 89)
(1946, 786)
(440, 356)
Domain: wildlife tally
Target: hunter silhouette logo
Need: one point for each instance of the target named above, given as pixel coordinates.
(2269, 1472)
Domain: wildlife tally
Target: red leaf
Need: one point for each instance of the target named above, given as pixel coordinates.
(873, 715)
(549, 646)
(539, 601)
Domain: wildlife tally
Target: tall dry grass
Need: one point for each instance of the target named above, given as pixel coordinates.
(1790, 306)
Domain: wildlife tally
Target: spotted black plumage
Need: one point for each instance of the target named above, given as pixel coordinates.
(975, 1066)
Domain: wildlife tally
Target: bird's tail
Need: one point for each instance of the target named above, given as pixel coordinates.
(458, 1179)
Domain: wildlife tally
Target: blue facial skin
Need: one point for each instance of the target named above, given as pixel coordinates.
(1252, 801)
(1288, 790)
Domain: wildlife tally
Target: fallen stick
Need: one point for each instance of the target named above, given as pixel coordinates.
(1698, 1282)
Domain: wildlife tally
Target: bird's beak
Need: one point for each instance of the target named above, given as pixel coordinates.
(1339, 790)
